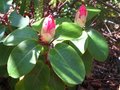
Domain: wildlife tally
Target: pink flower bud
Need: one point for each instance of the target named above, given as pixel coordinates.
(48, 29)
(81, 15)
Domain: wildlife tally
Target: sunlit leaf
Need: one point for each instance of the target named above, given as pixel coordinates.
(81, 42)
(23, 58)
(97, 45)
(37, 79)
(68, 31)
(67, 64)
(20, 35)
(18, 20)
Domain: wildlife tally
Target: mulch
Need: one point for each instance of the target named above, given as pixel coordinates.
(105, 76)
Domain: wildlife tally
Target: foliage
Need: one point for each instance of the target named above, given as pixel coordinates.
(62, 62)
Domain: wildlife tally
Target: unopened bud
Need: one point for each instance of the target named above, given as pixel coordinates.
(48, 29)
(81, 16)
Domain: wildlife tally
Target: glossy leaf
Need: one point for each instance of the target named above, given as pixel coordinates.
(81, 42)
(67, 64)
(4, 53)
(23, 58)
(37, 25)
(2, 31)
(55, 83)
(3, 71)
(61, 20)
(97, 45)
(37, 79)
(68, 31)
(4, 5)
(92, 12)
(88, 62)
(20, 35)
(18, 20)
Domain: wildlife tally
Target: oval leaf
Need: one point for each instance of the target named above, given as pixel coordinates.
(67, 64)
(20, 35)
(88, 62)
(61, 20)
(92, 12)
(35, 80)
(4, 53)
(68, 31)
(18, 20)
(38, 25)
(97, 45)
(23, 58)
(55, 83)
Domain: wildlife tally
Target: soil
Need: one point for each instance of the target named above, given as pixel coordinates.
(105, 76)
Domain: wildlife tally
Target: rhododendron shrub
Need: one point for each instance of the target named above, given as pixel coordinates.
(51, 53)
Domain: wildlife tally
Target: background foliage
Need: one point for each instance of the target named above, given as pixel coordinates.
(21, 53)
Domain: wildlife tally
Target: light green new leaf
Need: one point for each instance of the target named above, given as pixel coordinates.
(81, 42)
(97, 45)
(37, 79)
(23, 58)
(20, 35)
(67, 64)
(68, 31)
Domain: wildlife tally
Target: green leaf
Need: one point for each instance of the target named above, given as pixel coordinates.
(20, 35)
(3, 71)
(18, 20)
(81, 42)
(92, 12)
(55, 83)
(2, 31)
(67, 64)
(4, 5)
(68, 31)
(4, 53)
(35, 80)
(97, 45)
(61, 20)
(23, 58)
(37, 25)
(88, 62)
(73, 46)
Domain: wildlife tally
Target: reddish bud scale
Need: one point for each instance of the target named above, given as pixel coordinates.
(81, 15)
(48, 29)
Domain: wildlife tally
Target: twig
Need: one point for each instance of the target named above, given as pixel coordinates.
(109, 6)
(60, 7)
(107, 28)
